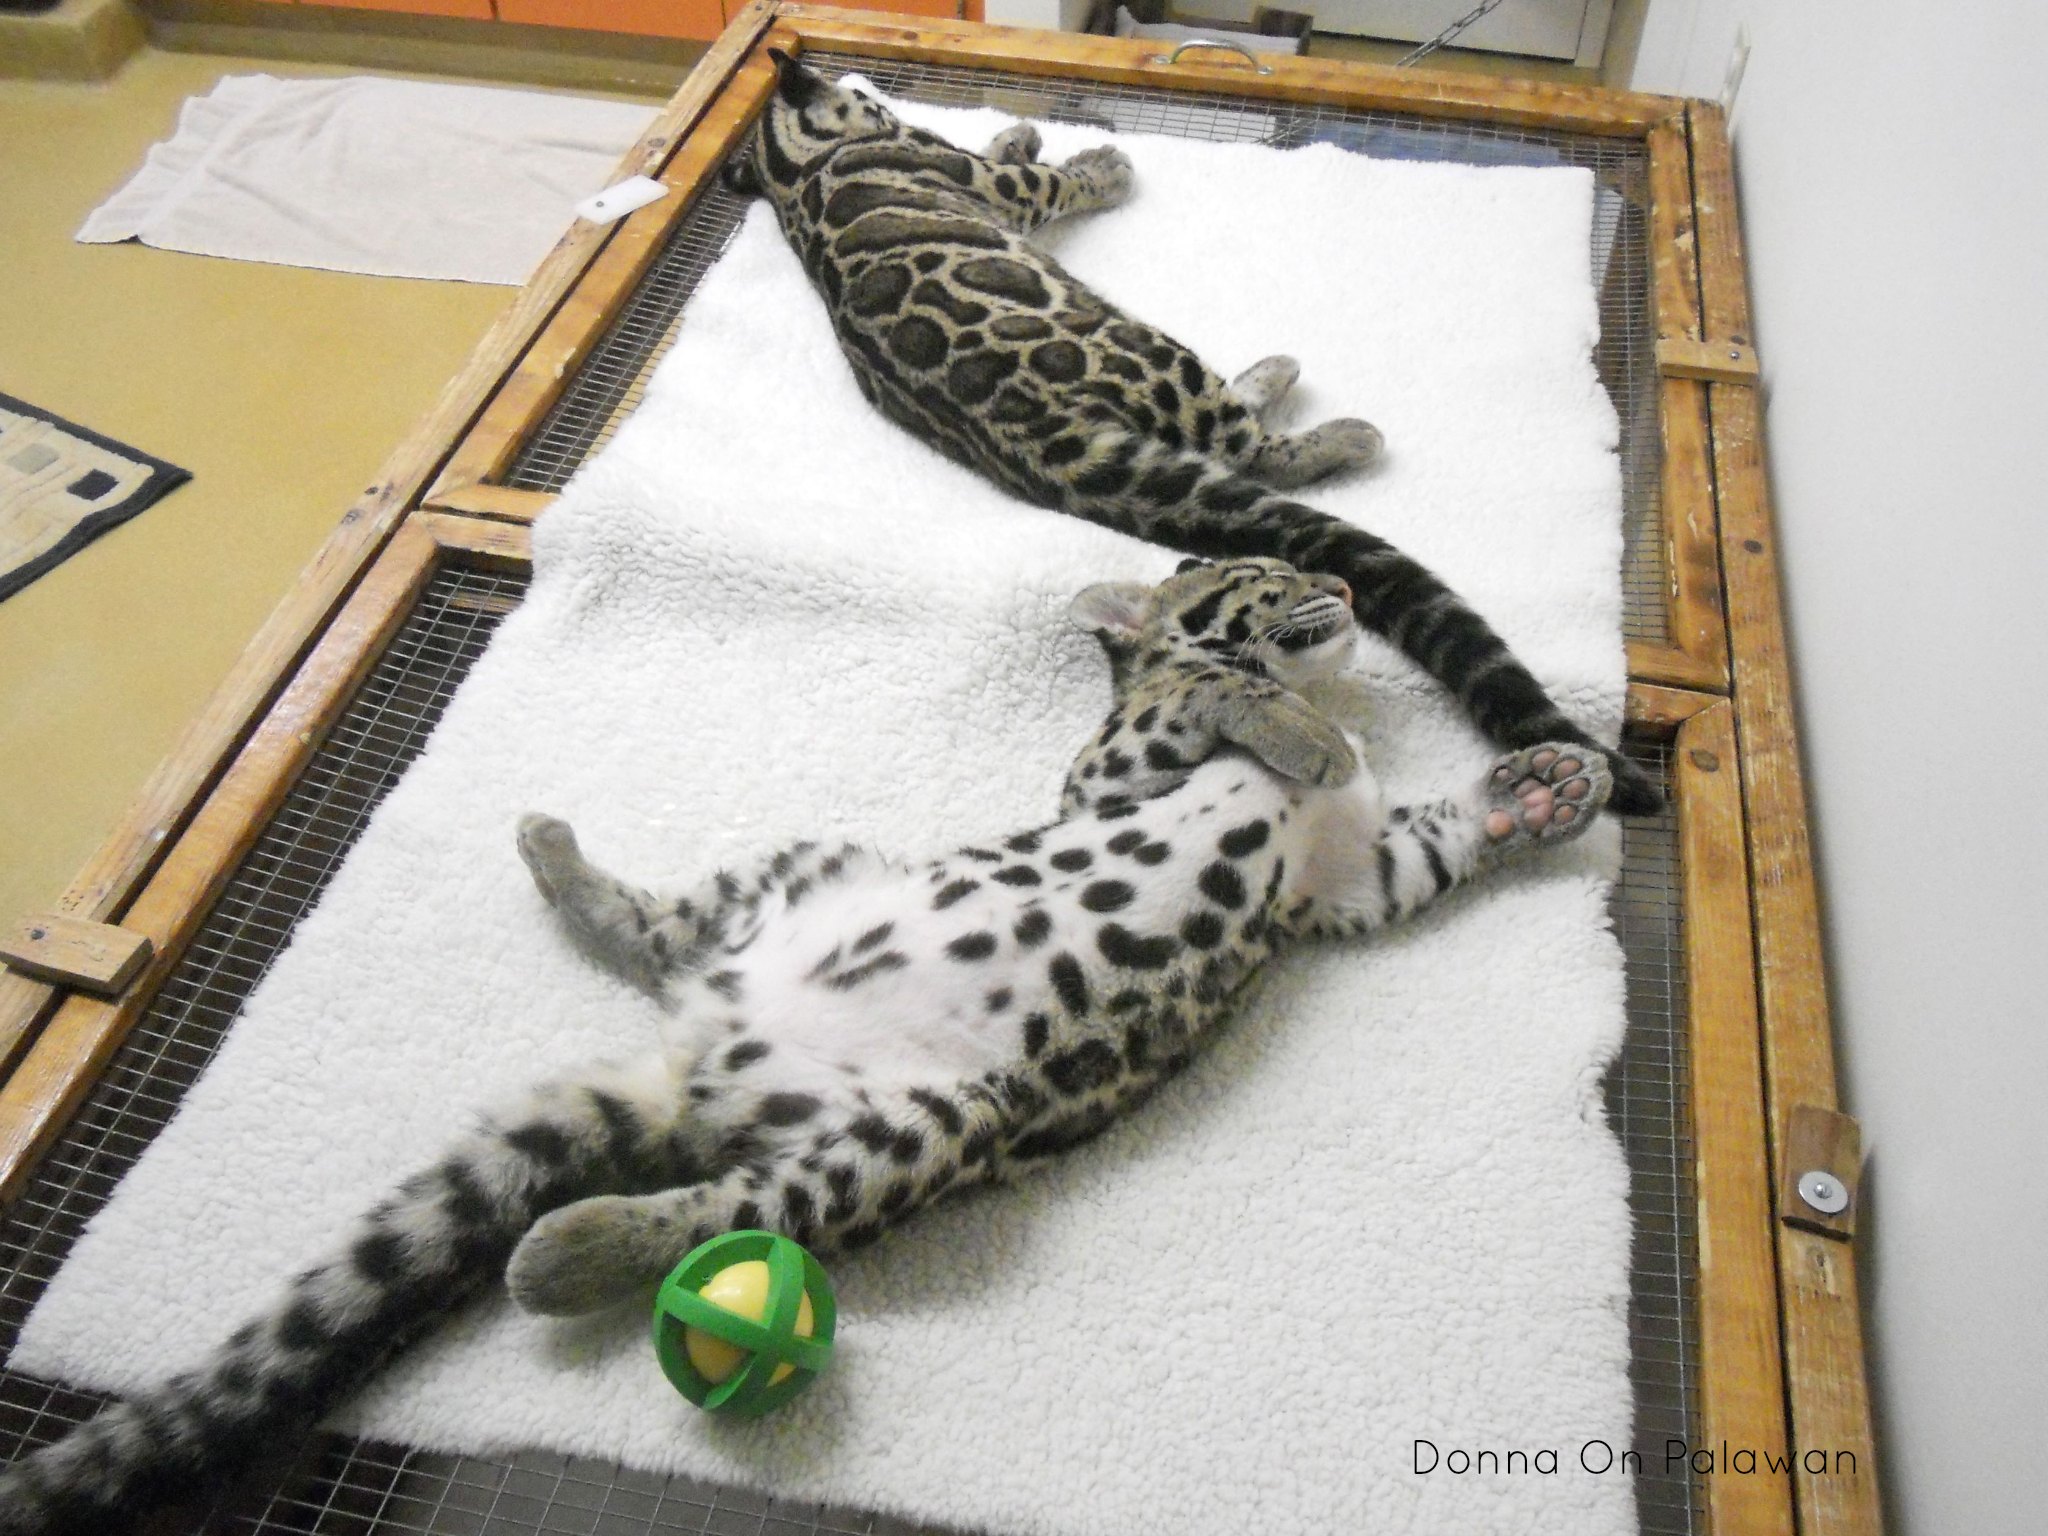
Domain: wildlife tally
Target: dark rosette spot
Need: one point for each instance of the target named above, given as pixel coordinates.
(1220, 883)
(1068, 982)
(1060, 361)
(1239, 841)
(1088, 1065)
(878, 290)
(917, 342)
(1005, 279)
(1108, 896)
(973, 379)
(788, 1108)
(1021, 328)
(972, 946)
(1135, 951)
(936, 295)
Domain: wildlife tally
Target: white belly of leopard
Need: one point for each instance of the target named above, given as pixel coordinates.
(924, 972)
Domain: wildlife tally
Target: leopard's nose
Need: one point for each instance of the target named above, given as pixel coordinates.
(1340, 587)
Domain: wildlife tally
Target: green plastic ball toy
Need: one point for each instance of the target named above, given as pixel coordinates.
(744, 1323)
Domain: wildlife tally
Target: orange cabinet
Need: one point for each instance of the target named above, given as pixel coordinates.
(702, 19)
(477, 9)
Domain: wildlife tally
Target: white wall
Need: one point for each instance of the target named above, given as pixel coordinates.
(1893, 167)
(1053, 15)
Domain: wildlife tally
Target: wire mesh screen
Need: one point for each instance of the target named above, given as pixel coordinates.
(610, 382)
(1647, 1096)
(340, 1487)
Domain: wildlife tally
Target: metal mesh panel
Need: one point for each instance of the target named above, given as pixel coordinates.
(340, 1487)
(1647, 1092)
(610, 383)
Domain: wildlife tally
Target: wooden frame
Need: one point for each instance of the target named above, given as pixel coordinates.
(1778, 1321)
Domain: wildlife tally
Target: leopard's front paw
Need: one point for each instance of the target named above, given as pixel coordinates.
(1016, 146)
(1104, 172)
(1301, 744)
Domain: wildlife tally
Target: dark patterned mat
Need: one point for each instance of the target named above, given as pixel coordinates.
(61, 487)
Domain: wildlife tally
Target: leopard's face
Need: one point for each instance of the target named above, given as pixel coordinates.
(807, 117)
(1252, 615)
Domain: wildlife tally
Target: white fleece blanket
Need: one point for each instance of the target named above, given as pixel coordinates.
(397, 178)
(1384, 1209)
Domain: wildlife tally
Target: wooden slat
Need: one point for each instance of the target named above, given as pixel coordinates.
(39, 1097)
(496, 545)
(515, 412)
(1826, 1380)
(116, 871)
(1674, 263)
(1657, 664)
(72, 952)
(1724, 290)
(1820, 1141)
(1693, 614)
(1742, 1400)
(501, 501)
(1426, 93)
(1696, 653)
(1717, 362)
(1657, 712)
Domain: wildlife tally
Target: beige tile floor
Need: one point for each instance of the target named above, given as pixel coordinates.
(281, 389)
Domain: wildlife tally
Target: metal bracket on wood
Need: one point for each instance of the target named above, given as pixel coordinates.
(71, 952)
(1718, 362)
(1823, 1159)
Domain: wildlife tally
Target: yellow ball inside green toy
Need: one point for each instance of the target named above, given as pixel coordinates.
(744, 1323)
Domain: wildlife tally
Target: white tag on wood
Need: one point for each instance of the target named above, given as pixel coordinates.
(616, 201)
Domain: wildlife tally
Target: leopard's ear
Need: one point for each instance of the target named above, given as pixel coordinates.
(737, 174)
(793, 82)
(1112, 610)
(1189, 564)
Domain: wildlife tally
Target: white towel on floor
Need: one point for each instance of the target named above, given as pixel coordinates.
(397, 178)
(1385, 1208)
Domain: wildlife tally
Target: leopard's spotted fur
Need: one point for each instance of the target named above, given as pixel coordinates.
(976, 341)
(853, 1036)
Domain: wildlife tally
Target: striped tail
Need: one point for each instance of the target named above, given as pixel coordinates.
(442, 1237)
(1189, 502)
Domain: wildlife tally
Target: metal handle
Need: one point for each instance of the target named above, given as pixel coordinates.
(1210, 42)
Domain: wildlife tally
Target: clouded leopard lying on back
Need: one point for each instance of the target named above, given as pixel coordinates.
(983, 346)
(851, 1036)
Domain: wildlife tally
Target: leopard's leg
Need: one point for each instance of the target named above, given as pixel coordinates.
(647, 938)
(1532, 798)
(1027, 195)
(1288, 460)
(838, 1175)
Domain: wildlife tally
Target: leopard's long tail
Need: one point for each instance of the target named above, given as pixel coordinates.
(443, 1236)
(1189, 502)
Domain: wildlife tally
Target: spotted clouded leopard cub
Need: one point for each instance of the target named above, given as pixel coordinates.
(852, 1035)
(963, 332)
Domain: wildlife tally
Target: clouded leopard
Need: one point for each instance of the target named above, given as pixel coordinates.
(851, 1036)
(977, 342)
